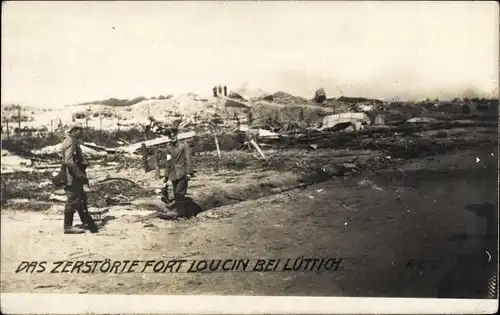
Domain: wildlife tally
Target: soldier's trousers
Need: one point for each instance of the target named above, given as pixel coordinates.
(180, 190)
(76, 201)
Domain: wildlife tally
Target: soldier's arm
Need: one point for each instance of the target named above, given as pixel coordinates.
(84, 159)
(70, 159)
(83, 163)
(189, 160)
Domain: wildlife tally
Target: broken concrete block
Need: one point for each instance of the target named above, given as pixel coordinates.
(379, 120)
(54, 197)
(331, 121)
(263, 133)
(349, 165)
(320, 96)
(422, 120)
(358, 125)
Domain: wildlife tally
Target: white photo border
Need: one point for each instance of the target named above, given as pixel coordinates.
(21, 303)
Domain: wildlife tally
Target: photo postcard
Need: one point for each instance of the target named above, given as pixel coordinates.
(243, 157)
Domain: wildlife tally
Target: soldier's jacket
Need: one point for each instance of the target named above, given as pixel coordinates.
(73, 159)
(180, 163)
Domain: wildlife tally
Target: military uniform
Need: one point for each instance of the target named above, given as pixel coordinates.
(75, 164)
(177, 169)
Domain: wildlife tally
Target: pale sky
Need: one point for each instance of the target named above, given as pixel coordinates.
(60, 53)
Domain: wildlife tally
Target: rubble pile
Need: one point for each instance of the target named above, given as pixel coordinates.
(284, 98)
(250, 93)
(236, 96)
(56, 150)
(116, 192)
(13, 163)
(390, 133)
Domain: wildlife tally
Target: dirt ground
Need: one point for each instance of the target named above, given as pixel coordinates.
(375, 222)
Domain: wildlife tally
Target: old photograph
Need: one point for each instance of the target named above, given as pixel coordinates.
(250, 148)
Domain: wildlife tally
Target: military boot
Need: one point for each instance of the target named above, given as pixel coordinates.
(68, 225)
(87, 220)
(84, 224)
(90, 223)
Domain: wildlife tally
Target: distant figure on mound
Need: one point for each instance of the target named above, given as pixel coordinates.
(220, 89)
(225, 90)
(214, 89)
(179, 168)
(75, 166)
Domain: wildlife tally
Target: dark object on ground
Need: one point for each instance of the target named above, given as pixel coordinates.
(192, 208)
(489, 212)
(475, 274)
(320, 96)
(466, 109)
(483, 210)
(183, 209)
(472, 277)
(441, 134)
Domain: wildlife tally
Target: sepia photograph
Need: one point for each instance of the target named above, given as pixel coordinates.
(242, 156)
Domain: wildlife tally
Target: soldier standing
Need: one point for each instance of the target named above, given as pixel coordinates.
(179, 169)
(75, 166)
(225, 90)
(214, 89)
(220, 89)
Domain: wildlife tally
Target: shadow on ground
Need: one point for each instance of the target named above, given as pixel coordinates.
(474, 273)
(100, 221)
(191, 208)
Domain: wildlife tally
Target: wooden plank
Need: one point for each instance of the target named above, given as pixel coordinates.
(157, 163)
(145, 157)
(217, 144)
(256, 146)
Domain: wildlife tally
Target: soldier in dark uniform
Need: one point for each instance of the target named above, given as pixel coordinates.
(75, 167)
(214, 89)
(220, 89)
(225, 90)
(179, 168)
